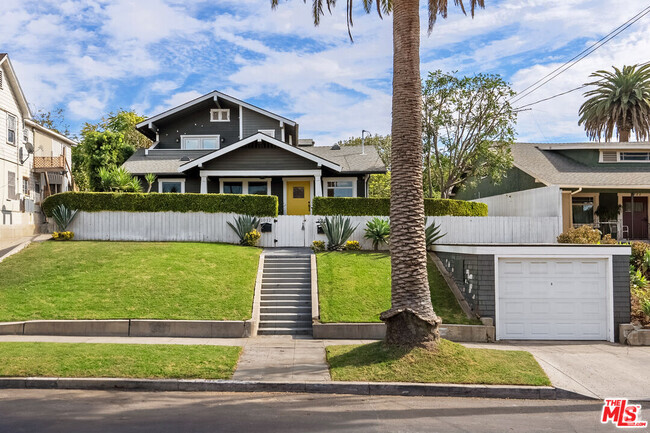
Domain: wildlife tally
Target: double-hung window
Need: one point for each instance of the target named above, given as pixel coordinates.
(11, 129)
(344, 187)
(197, 142)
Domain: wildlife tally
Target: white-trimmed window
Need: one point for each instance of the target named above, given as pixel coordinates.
(624, 156)
(197, 142)
(340, 187)
(269, 132)
(11, 129)
(220, 115)
(245, 186)
(171, 185)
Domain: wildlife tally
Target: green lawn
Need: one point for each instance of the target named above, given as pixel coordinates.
(355, 287)
(449, 363)
(128, 280)
(117, 360)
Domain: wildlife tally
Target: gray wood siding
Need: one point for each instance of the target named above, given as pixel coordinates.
(197, 122)
(249, 158)
(254, 121)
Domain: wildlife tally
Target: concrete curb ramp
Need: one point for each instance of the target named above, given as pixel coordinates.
(356, 388)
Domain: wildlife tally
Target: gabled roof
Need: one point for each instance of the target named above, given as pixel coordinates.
(213, 95)
(260, 137)
(552, 168)
(350, 158)
(12, 79)
(161, 161)
(48, 131)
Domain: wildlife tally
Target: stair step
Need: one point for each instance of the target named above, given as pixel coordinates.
(291, 317)
(286, 285)
(283, 297)
(286, 279)
(272, 309)
(290, 292)
(264, 324)
(284, 331)
(289, 303)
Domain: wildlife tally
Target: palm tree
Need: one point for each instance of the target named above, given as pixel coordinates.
(621, 100)
(411, 320)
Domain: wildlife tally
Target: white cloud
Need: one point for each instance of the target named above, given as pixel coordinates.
(175, 100)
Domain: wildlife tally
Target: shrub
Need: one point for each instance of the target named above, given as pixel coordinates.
(256, 205)
(607, 240)
(353, 246)
(337, 229)
(251, 238)
(318, 246)
(62, 236)
(637, 279)
(244, 225)
(359, 206)
(645, 307)
(63, 216)
(581, 235)
(433, 234)
(639, 250)
(378, 231)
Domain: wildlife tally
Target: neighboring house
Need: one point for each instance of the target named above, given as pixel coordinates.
(611, 179)
(219, 144)
(34, 161)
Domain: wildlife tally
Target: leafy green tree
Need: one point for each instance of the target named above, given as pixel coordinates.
(379, 185)
(54, 120)
(125, 122)
(619, 100)
(411, 319)
(468, 129)
(106, 150)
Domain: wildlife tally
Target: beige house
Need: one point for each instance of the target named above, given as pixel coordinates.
(34, 161)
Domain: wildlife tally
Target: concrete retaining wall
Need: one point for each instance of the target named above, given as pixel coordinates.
(132, 328)
(377, 331)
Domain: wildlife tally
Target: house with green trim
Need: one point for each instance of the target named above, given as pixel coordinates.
(605, 185)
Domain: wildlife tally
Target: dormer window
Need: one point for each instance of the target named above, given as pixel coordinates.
(198, 142)
(220, 115)
(624, 156)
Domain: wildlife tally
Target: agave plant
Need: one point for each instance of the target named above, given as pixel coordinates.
(106, 178)
(338, 230)
(63, 216)
(433, 234)
(377, 230)
(244, 224)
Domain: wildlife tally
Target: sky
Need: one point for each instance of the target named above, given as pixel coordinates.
(91, 57)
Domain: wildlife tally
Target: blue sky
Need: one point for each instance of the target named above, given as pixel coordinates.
(91, 57)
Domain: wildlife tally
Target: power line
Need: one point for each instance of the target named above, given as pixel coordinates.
(520, 108)
(580, 56)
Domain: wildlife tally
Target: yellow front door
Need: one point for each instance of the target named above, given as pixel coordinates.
(298, 194)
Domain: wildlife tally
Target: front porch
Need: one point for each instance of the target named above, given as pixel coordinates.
(622, 214)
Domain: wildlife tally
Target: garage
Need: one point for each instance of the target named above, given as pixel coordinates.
(552, 299)
(544, 291)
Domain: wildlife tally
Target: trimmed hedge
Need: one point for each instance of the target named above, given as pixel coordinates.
(256, 205)
(357, 206)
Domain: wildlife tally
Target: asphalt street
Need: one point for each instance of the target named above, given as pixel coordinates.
(47, 411)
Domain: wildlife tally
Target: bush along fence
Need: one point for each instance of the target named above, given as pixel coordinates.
(381, 207)
(255, 205)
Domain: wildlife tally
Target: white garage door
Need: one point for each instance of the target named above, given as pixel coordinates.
(552, 299)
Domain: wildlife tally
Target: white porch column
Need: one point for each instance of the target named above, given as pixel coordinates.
(204, 184)
(318, 185)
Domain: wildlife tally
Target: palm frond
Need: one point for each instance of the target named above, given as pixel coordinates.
(440, 7)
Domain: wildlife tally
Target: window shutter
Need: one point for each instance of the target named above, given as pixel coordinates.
(610, 156)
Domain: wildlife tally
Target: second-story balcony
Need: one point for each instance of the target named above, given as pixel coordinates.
(49, 163)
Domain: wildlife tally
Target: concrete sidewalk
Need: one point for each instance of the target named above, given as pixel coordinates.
(596, 369)
(10, 246)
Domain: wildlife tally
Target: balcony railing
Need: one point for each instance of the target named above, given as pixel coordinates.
(49, 163)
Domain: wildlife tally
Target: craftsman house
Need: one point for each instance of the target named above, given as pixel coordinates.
(220, 144)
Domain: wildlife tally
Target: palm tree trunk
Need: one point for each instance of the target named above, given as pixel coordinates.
(411, 320)
(624, 135)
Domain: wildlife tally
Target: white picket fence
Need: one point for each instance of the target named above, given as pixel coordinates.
(298, 231)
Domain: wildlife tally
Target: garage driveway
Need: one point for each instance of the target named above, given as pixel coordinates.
(596, 369)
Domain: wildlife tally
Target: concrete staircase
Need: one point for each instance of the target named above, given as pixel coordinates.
(285, 304)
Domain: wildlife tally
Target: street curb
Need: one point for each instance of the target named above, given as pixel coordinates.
(356, 388)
